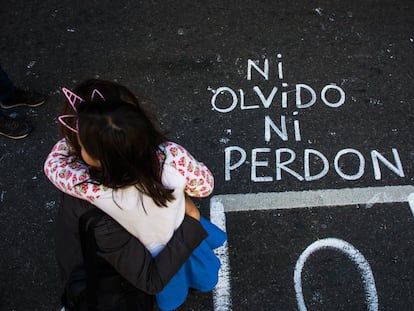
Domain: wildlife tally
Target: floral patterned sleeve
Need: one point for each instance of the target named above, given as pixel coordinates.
(70, 175)
(200, 181)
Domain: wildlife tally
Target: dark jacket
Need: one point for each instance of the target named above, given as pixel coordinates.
(122, 250)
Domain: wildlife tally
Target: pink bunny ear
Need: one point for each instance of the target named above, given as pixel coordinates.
(96, 93)
(72, 98)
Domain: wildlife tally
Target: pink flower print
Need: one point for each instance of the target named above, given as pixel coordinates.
(74, 179)
(181, 162)
(190, 167)
(75, 165)
(68, 175)
(82, 188)
(188, 180)
(62, 147)
(90, 198)
(173, 164)
(194, 182)
(95, 188)
(62, 185)
(181, 149)
(181, 172)
(197, 171)
(174, 151)
(62, 173)
(83, 177)
(161, 156)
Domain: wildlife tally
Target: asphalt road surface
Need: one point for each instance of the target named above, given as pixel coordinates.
(303, 110)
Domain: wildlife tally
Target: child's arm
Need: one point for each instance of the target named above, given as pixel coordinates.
(70, 175)
(190, 208)
(200, 181)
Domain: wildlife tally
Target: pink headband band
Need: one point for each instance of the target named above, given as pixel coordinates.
(73, 101)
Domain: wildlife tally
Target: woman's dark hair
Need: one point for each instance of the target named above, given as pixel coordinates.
(110, 90)
(124, 140)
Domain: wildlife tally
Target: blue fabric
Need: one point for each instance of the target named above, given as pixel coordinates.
(199, 272)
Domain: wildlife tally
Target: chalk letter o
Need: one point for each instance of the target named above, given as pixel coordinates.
(341, 96)
(353, 254)
(361, 168)
(221, 90)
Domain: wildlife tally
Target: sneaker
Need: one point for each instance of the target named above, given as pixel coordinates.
(14, 128)
(23, 98)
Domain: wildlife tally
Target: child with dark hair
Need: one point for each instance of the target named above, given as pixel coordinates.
(139, 178)
(112, 91)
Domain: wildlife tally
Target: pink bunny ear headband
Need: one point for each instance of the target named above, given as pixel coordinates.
(73, 100)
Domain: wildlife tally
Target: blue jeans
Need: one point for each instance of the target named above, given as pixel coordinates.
(6, 86)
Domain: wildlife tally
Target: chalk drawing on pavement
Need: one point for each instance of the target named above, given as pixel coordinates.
(354, 254)
(220, 204)
(284, 105)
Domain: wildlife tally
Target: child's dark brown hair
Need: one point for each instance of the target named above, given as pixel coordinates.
(119, 133)
(110, 90)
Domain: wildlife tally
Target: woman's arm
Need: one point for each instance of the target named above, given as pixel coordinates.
(133, 261)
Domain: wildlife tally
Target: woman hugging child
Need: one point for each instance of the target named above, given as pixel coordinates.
(113, 156)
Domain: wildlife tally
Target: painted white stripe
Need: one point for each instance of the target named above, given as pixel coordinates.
(222, 291)
(220, 204)
(411, 202)
(314, 198)
(353, 253)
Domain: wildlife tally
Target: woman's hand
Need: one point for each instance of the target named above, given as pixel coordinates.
(190, 208)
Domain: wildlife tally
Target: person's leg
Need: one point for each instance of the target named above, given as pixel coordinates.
(11, 97)
(6, 85)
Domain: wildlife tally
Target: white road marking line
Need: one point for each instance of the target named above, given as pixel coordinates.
(411, 202)
(313, 198)
(222, 291)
